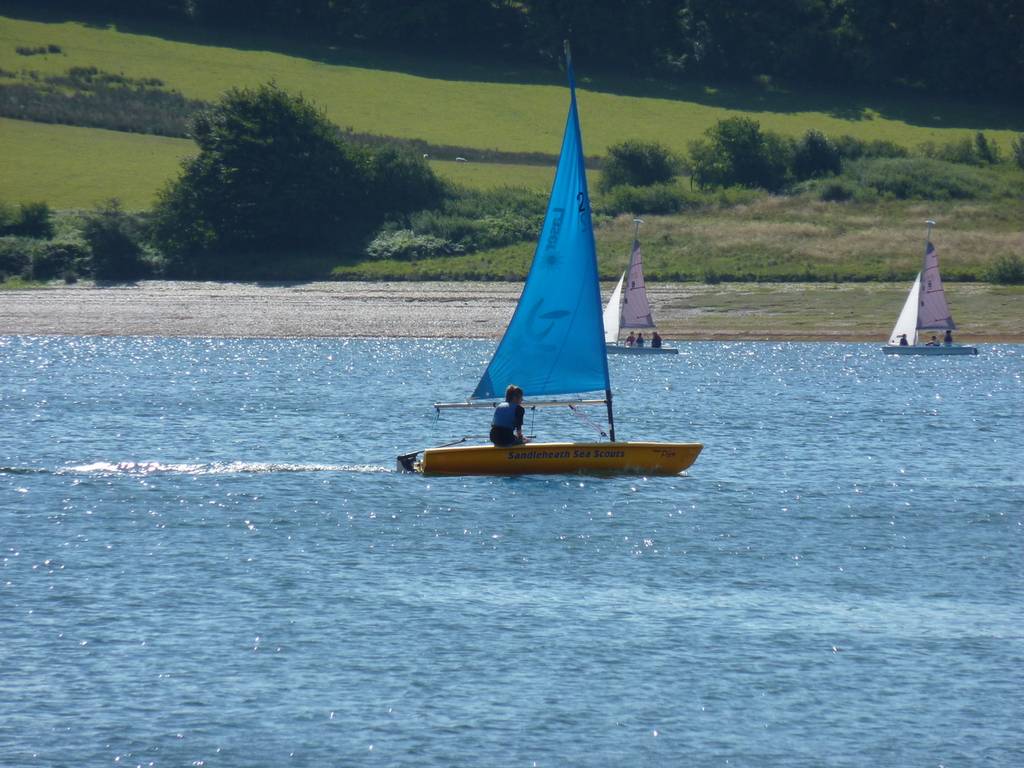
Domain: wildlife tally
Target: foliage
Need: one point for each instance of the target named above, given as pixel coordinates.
(1006, 270)
(638, 164)
(928, 179)
(9, 216)
(30, 220)
(839, 191)
(88, 97)
(114, 239)
(401, 182)
(736, 151)
(15, 256)
(57, 258)
(656, 198)
(404, 244)
(868, 42)
(272, 175)
(852, 148)
(966, 151)
(815, 155)
(1017, 147)
(472, 220)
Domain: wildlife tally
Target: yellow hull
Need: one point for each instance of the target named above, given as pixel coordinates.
(561, 458)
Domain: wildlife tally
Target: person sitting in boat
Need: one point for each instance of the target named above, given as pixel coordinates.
(655, 340)
(639, 339)
(630, 339)
(934, 342)
(948, 338)
(507, 424)
(903, 340)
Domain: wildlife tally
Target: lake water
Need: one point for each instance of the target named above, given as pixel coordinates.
(207, 558)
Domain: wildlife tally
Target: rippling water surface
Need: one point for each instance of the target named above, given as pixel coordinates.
(206, 558)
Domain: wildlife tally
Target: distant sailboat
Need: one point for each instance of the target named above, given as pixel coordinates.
(554, 345)
(926, 309)
(632, 308)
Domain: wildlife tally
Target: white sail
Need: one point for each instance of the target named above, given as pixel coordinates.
(611, 314)
(906, 323)
(934, 311)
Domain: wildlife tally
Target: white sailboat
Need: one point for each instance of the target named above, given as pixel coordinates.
(632, 308)
(554, 345)
(926, 310)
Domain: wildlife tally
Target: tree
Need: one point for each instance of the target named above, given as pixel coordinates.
(736, 151)
(273, 175)
(1017, 148)
(815, 155)
(638, 164)
(116, 254)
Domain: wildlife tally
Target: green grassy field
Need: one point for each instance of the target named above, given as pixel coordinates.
(480, 104)
(70, 167)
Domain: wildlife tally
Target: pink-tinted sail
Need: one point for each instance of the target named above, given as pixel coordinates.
(933, 311)
(636, 310)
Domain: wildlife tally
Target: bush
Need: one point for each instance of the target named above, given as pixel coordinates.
(837, 192)
(113, 237)
(736, 151)
(8, 217)
(58, 259)
(986, 151)
(404, 244)
(965, 151)
(30, 220)
(1007, 270)
(658, 198)
(922, 179)
(35, 220)
(851, 148)
(472, 219)
(638, 164)
(815, 155)
(403, 182)
(1017, 147)
(15, 256)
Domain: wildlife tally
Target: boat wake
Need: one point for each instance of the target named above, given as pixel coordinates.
(149, 468)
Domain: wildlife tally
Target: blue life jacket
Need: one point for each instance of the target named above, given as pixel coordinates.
(504, 415)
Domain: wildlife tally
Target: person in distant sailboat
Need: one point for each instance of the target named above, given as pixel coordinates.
(934, 342)
(639, 339)
(507, 424)
(656, 340)
(630, 339)
(948, 338)
(903, 340)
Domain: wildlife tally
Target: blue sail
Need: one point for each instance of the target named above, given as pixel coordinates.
(554, 343)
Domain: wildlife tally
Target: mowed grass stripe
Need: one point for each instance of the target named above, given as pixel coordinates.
(483, 106)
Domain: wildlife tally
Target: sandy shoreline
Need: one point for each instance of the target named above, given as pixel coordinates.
(419, 310)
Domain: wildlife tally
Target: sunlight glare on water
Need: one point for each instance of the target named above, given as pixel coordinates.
(207, 557)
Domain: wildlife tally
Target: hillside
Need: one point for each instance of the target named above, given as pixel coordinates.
(487, 111)
(477, 104)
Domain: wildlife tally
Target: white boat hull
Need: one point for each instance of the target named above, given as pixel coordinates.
(922, 349)
(618, 349)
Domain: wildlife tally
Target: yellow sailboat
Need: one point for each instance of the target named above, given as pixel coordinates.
(555, 345)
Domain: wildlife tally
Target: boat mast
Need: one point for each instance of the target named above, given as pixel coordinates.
(608, 389)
